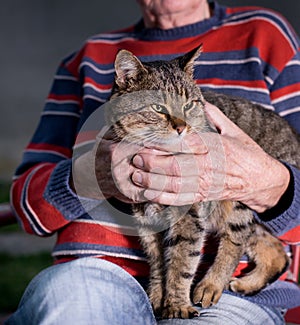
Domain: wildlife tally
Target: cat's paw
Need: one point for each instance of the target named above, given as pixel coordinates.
(207, 293)
(246, 285)
(186, 311)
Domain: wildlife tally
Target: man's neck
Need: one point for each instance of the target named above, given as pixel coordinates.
(168, 20)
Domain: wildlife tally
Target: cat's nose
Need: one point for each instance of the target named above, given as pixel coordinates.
(180, 128)
(178, 124)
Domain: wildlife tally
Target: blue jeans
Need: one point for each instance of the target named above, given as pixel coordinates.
(91, 291)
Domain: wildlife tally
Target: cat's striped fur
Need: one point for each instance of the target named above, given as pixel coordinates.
(155, 102)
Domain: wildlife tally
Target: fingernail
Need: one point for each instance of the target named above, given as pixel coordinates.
(138, 161)
(137, 178)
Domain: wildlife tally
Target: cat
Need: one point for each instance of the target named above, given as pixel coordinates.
(159, 102)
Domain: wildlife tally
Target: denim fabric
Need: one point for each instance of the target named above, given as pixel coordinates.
(91, 291)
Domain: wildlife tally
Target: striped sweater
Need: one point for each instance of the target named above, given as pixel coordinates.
(248, 52)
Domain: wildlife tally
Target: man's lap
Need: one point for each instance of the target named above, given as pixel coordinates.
(94, 291)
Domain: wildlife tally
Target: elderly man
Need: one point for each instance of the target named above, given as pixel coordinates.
(100, 273)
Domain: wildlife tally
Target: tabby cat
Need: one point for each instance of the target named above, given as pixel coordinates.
(159, 102)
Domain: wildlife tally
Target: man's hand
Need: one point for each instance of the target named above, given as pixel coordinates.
(227, 165)
(106, 171)
(224, 166)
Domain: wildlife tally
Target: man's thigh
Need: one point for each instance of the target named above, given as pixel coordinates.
(231, 310)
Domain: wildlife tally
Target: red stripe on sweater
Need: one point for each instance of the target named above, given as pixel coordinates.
(64, 97)
(287, 90)
(96, 84)
(135, 268)
(292, 236)
(84, 232)
(16, 194)
(85, 136)
(50, 147)
(51, 218)
(232, 10)
(240, 84)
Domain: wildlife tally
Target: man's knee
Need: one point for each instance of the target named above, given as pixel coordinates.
(86, 290)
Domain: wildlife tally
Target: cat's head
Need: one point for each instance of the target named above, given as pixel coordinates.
(156, 100)
(174, 76)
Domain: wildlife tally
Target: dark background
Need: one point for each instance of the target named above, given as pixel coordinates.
(36, 34)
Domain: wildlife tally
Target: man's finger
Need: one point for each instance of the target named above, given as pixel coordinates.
(220, 120)
(173, 199)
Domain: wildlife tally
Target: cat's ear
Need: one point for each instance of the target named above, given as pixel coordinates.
(128, 67)
(186, 62)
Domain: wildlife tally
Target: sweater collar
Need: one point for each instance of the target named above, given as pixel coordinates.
(184, 31)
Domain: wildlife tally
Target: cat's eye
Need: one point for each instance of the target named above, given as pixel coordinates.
(189, 105)
(159, 108)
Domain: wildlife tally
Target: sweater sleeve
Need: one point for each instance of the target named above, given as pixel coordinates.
(40, 195)
(284, 219)
(284, 85)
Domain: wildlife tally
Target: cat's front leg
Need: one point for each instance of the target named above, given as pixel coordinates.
(151, 234)
(152, 243)
(233, 225)
(209, 290)
(182, 245)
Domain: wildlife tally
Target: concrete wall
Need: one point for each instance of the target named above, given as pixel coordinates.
(36, 34)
